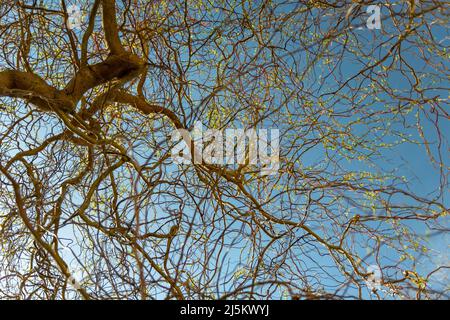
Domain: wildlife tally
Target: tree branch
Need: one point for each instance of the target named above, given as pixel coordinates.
(34, 89)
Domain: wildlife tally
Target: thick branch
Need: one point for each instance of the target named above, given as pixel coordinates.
(120, 65)
(110, 27)
(147, 108)
(34, 89)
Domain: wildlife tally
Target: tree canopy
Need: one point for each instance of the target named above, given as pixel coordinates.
(92, 205)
